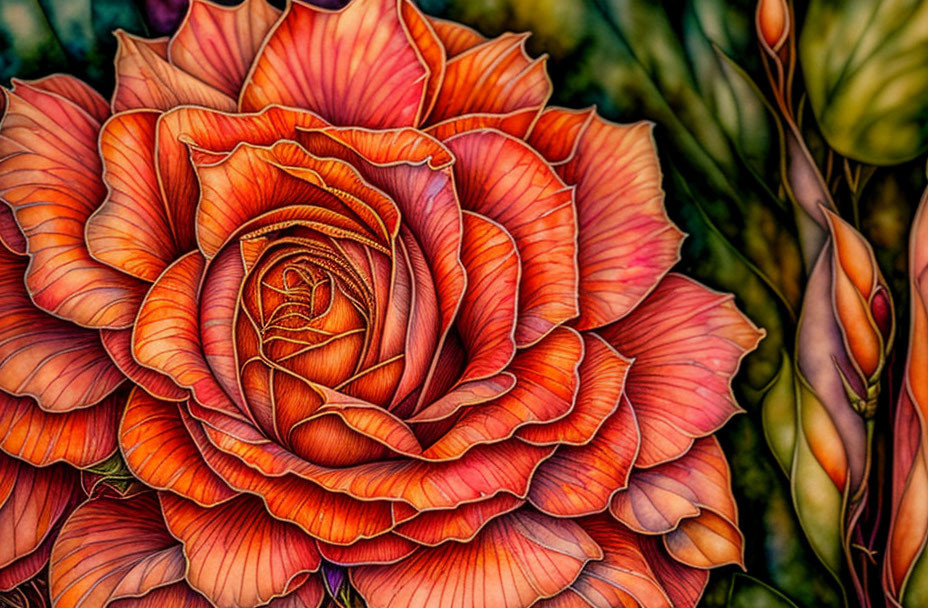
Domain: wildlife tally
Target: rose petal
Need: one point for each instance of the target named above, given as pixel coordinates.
(505, 180)
(147, 79)
(515, 123)
(159, 451)
(218, 43)
(385, 549)
(580, 480)
(110, 549)
(457, 38)
(61, 366)
(25, 568)
(487, 317)
(11, 236)
(330, 517)
(687, 342)
(378, 84)
(626, 241)
(557, 134)
(494, 77)
(167, 334)
(32, 500)
(81, 437)
(131, 230)
(602, 380)
(77, 92)
(178, 595)
(118, 344)
(706, 541)
(259, 555)
(624, 577)
(460, 524)
(658, 498)
(514, 561)
(546, 386)
(50, 176)
(216, 132)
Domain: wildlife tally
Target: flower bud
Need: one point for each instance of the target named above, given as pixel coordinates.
(772, 22)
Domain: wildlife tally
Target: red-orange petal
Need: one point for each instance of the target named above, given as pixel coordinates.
(131, 230)
(216, 132)
(32, 500)
(515, 123)
(431, 52)
(513, 562)
(546, 386)
(177, 595)
(706, 541)
(385, 549)
(494, 77)
(580, 480)
(624, 577)
(81, 437)
(118, 343)
(11, 236)
(50, 175)
(260, 555)
(77, 92)
(460, 524)
(252, 181)
(602, 380)
(487, 317)
(687, 342)
(379, 83)
(167, 334)
(26, 567)
(217, 44)
(60, 365)
(147, 79)
(455, 37)
(159, 451)
(502, 178)
(626, 241)
(557, 133)
(113, 548)
(657, 499)
(331, 517)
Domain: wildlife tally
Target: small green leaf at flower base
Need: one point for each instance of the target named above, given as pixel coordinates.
(749, 592)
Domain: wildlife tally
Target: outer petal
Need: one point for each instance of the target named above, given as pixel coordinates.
(505, 180)
(515, 123)
(460, 524)
(11, 236)
(146, 79)
(25, 568)
(624, 577)
(218, 43)
(378, 83)
(516, 560)
(178, 595)
(33, 500)
(706, 541)
(82, 437)
(495, 77)
(111, 549)
(62, 366)
(258, 557)
(580, 480)
(626, 241)
(658, 498)
(385, 549)
(166, 337)
(50, 176)
(159, 451)
(455, 37)
(687, 342)
(131, 230)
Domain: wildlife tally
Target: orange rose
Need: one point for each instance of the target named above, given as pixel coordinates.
(388, 317)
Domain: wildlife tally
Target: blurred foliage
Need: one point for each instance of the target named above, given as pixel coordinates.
(873, 50)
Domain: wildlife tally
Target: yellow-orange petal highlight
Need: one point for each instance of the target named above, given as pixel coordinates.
(772, 18)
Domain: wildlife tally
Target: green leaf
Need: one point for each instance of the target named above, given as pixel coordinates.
(779, 414)
(866, 73)
(749, 592)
